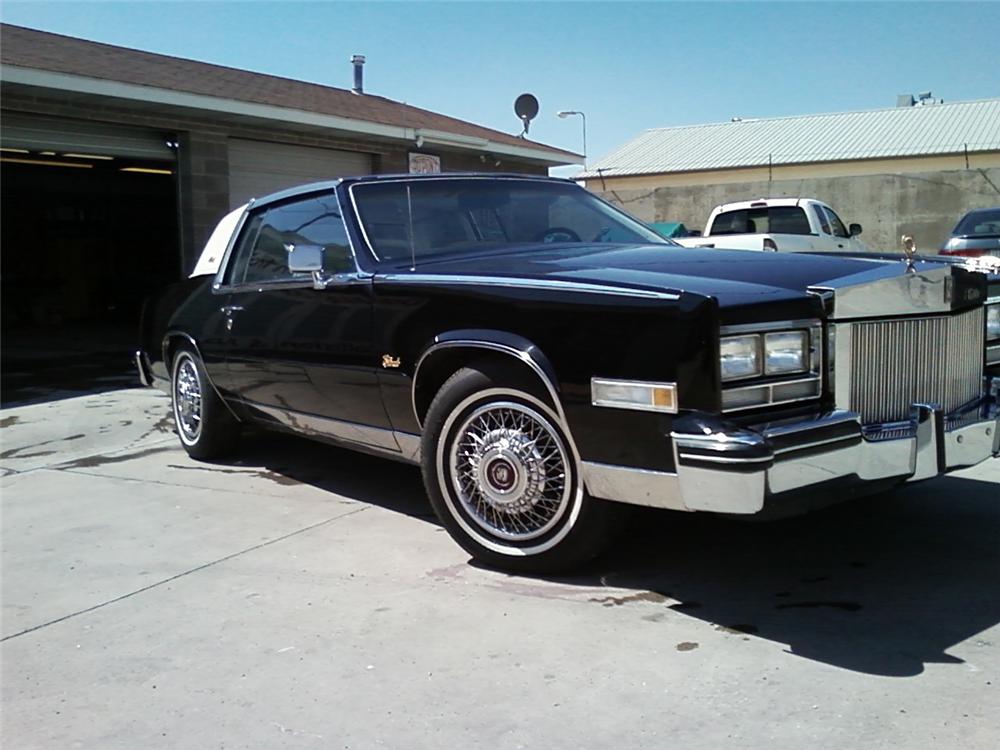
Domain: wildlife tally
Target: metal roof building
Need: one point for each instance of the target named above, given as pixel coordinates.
(928, 130)
(915, 168)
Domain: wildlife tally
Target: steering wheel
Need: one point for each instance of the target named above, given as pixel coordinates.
(557, 234)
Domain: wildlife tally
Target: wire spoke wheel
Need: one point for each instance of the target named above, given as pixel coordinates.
(509, 471)
(187, 399)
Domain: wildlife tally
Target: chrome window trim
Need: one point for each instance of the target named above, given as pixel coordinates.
(217, 285)
(515, 281)
(260, 286)
(633, 407)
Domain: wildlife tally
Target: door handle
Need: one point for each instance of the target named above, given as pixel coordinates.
(230, 309)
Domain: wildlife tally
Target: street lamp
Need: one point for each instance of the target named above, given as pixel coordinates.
(566, 113)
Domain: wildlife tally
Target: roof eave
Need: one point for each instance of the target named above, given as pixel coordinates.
(951, 151)
(169, 97)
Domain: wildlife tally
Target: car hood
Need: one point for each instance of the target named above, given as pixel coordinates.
(732, 276)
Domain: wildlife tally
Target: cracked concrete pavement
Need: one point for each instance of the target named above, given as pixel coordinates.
(304, 596)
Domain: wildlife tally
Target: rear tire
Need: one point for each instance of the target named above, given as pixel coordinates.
(503, 476)
(205, 426)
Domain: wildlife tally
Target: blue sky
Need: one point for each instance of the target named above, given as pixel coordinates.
(629, 66)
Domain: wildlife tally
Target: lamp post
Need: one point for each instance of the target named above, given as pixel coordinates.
(566, 113)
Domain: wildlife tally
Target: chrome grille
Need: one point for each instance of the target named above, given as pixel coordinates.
(897, 363)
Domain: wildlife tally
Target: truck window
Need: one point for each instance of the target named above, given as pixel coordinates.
(836, 225)
(766, 220)
(824, 223)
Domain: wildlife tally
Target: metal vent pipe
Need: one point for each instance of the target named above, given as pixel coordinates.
(359, 64)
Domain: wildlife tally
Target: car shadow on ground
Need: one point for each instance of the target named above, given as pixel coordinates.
(882, 585)
(288, 459)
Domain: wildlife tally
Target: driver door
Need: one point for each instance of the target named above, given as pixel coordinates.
(295, 355)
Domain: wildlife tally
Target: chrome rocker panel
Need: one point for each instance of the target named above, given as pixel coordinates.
(736, 470)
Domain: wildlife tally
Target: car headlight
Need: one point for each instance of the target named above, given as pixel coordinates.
(754, 355)
(740, 357)
(992, 322)
(786, 352)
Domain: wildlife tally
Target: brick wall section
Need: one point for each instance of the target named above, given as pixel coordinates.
(203, 161)
(203, 189)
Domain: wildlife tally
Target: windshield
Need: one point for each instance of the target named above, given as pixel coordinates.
(979, 223)
(462, 215)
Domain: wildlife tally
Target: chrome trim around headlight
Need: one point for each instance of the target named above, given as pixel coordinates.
(772, 385)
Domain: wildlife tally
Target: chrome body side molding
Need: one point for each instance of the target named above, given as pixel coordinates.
(401, 446)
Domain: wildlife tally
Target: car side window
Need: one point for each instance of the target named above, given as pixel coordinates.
(836, 225)
(824, 223)
(315, 221)
(245, 243)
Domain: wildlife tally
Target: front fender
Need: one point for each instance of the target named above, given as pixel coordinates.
(503, 342)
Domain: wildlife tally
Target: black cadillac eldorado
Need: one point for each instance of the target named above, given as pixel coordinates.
(548, 360)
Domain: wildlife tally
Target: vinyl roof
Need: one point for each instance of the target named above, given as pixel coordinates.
(39, 50)
(925, 130)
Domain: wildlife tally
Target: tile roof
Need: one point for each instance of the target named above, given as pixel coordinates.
(27, 48)
(840, 136)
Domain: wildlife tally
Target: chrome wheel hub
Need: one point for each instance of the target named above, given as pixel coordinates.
(509, 470)
(187, 399)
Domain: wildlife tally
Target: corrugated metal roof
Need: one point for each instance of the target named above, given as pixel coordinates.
(840, 136)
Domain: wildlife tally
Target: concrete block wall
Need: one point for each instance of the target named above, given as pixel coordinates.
(926, 205)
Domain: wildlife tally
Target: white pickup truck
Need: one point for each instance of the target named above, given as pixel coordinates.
(788, 225)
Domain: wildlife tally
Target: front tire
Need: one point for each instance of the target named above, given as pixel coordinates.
(503, 476)
(204, 424)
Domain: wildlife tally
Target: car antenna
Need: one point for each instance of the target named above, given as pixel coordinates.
(409, 213)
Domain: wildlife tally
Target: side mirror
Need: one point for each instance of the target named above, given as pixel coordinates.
(855, 230)
(305, 258)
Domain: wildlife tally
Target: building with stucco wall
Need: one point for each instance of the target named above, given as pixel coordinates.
(911, 169)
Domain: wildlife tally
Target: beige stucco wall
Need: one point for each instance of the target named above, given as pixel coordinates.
(886, 203)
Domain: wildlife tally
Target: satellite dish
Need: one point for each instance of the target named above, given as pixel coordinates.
(526, 107)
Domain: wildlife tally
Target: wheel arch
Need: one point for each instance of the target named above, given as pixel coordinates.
(454, 349)
(174, 340)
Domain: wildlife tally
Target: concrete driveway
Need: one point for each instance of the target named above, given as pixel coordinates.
(304, 596)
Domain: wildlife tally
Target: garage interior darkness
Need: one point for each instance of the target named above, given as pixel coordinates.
(88, 230)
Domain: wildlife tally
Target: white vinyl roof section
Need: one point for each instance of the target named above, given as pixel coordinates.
(926, 130)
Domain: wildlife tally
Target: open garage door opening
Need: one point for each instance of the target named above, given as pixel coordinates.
(89, 229)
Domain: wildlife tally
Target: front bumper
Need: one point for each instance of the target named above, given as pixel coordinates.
(723, 468)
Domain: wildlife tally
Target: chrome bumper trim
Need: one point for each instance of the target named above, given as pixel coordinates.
(735, 471)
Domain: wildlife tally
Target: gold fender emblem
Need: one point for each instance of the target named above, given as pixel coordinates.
(389, 361)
